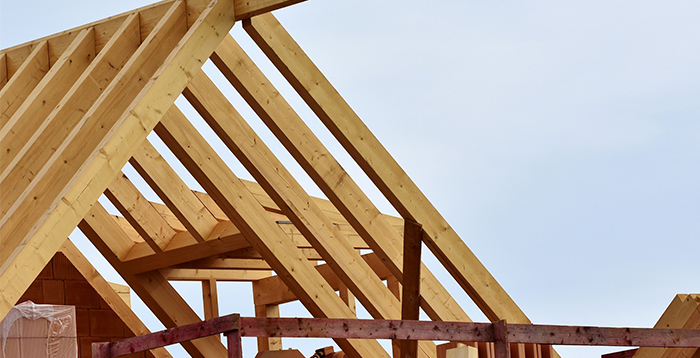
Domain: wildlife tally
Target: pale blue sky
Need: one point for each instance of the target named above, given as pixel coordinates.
(561, 140)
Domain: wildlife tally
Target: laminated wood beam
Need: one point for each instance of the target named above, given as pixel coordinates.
(183, 274)
(173, 191)
(155, 291)
(21, 84)
(43, 99)
(52, 221)
(105, 290)
(250, 217)
(140, 213)
(287, 193)
(331, 178)
(33, 153)
(382, 169)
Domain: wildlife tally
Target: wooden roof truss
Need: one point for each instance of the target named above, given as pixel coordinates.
(75, 107)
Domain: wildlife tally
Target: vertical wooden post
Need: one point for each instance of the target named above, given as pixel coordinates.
(500, 336)
(347, 297)
(211, 299)
(410, 304)
(268, 343)
(393, 284)
(233, 338)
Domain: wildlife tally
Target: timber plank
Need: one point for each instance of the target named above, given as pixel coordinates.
(264, 235)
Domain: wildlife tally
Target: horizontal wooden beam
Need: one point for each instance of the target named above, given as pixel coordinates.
(183, 274)
(409, 330)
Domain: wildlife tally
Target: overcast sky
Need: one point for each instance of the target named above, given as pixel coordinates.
(561, 140)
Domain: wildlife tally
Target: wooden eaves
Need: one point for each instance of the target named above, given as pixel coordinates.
(75, 107)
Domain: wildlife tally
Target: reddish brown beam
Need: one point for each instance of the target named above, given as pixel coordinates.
(468, 332)
(167, 337)
(500, 338)
(409, 330)
(233, 339)
(410, 301)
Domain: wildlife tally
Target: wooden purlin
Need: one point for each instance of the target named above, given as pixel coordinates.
(328, 174)
(381, 168)
(35, 235)
(249, 216)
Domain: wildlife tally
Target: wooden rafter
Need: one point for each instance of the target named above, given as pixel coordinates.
(75, 107)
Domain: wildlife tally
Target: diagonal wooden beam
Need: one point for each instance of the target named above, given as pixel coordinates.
(173, 191)
(43, 99)
(83, 143)
(382, 169)
(21, 84)
(140, 213)
(155, 291)
(328, 174)
(250, 217)
(68, 205)
(34, 152)
(287, 193)
(105, 290)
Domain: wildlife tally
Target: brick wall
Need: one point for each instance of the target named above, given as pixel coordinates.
(60, 283)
